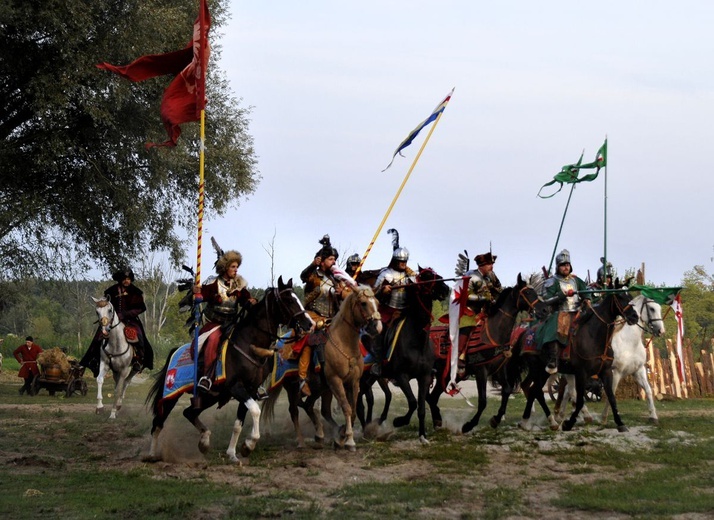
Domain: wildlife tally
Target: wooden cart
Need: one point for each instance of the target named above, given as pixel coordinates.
(53, 380)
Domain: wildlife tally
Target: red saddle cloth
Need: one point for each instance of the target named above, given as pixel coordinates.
(131, 334)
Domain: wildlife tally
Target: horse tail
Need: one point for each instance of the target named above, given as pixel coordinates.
(268, 413)
(154, 395)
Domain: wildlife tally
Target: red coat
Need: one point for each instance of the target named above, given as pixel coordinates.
(27, 357)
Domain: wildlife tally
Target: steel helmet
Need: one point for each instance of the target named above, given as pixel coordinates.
(401, 254)
(563, 257)
(354, 259)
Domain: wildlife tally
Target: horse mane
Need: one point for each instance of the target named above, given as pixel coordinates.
(505, 293)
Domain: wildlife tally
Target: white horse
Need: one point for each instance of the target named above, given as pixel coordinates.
(629, 355)
(116, 354)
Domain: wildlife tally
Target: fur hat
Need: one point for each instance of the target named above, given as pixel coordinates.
(124, 272)
(227, 259)
(485, 259)
(327, 249)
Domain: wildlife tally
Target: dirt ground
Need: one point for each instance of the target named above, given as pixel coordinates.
(518, 459)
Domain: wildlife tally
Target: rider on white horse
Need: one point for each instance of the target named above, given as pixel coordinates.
(128, 302)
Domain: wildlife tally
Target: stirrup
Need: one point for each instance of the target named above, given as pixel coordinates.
(376, 369)
(304, 388)
(261, 394)
(205, 384)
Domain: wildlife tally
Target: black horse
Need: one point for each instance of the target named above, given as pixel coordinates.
(493, 352)
(591, 351)
(248, 362)
(413, 356)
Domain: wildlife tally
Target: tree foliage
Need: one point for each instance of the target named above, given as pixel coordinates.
(74, 170)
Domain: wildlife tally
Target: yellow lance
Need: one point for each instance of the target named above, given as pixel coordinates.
(435, 116)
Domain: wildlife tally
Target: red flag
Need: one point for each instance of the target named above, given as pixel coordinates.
(185, 96)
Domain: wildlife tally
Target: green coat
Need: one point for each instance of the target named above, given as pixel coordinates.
(549, 330)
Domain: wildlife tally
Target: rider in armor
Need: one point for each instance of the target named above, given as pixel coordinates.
(562, 293)
(605, 279)
(484, 285)
(128, 302)
(390, 289)
(224, 295)
(322, 301)
(353, 262)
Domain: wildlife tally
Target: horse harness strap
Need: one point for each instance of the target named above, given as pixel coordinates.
(248, 356)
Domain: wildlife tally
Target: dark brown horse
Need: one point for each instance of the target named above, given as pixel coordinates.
(413, 356)
(247, 364)
(493, 354)
(591, 351)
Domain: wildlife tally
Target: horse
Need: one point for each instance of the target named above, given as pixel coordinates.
(115, 354)
(342, 367)
(630, 354)
(494, 347)
(412, 356)
(591, 350)
(248, 360)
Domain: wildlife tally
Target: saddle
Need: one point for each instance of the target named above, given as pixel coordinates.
(131, 334)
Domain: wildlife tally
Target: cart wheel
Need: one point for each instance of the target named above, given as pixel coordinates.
(35, 385)
(70, 388)
(83, 387)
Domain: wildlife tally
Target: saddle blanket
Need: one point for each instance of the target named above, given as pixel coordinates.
(180, 371)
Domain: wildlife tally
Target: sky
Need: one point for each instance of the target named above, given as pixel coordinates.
(334, 87)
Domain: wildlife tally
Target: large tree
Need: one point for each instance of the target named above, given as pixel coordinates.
(74, 170)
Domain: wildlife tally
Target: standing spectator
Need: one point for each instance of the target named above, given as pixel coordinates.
(26, 354)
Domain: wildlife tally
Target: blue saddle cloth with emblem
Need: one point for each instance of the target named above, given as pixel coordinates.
(180, 372)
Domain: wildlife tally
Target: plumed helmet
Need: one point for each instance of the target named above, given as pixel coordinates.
(124, 272)
(563, 258)
(327, 249)
(400, 254)
(485, 259)
(354, 259)
(226, 259)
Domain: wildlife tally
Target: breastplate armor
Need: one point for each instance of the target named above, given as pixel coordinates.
(397, 279)
(571, 303)
(325, 303)
(228, 307)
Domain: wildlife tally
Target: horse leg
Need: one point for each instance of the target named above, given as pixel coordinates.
(481, 380)
(352, 391)
(309, 407)
(616, 376)
(338, 391)
(235, 434)
(424, 383)
(384, 385)
(433, 400)
(121, 383)
(191, 413)
(103, 369)
(403, 383)
(641, 378)
(161, 413)
(579, 400)
(250, 443)
(294, 410)
(607, 385)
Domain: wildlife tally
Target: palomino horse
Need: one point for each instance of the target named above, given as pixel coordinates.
(342, 368)
(591, 351)
(630, 354)
(116, 354)
(413, 356)
(247, 363)
(494, 352)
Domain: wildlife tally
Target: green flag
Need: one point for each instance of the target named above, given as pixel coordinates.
(600, 159)
(568, 175)
(662, 295)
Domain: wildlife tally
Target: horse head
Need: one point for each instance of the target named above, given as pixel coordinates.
(107, 318)
(431, 283)
(363, 308)
(528, 300)
(621, 305)
(292, 313)
(650, 313)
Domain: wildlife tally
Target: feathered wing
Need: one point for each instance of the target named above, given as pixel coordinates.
(395, 238)
(462, 264)
(219, 251)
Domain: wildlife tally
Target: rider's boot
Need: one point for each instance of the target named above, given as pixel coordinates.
(303, 365)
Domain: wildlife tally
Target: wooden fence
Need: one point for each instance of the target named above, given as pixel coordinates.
(664, 376)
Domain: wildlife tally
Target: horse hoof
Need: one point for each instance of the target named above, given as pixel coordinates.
(554, 427)
(351, 448)
(437, 425)
(466, 428)
(588, 420)
(319, 440)
(399, 422)
(653, 420)
(151, 458)
(245, 451)
(494, 422)
(568, 425)
(99, 410)
(424, 440)
(622, 428)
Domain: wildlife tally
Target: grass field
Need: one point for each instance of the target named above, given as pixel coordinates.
(61, 460)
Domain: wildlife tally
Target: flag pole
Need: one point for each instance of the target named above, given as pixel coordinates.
(604, 257)
(572, 187)
(396, 196)
(197, 298)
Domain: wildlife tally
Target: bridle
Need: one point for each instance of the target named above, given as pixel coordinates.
(650, 320)
(522, 296)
